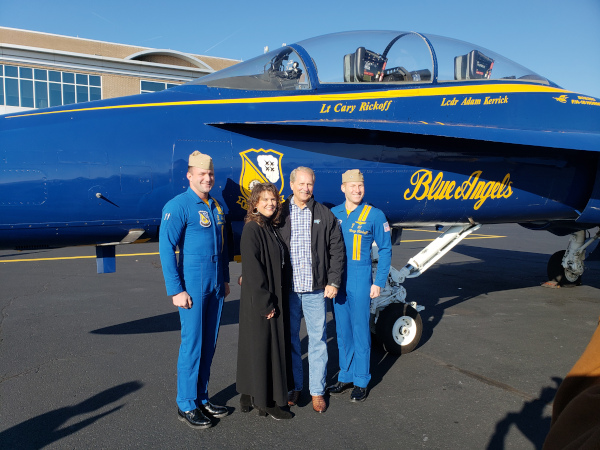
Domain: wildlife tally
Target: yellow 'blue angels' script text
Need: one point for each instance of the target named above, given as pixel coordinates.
(426, 186)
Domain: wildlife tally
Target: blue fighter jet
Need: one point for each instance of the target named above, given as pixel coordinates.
(446, 133)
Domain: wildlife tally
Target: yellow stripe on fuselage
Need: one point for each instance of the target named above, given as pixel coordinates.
(355, 96)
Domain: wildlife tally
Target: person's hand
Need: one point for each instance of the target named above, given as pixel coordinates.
(375, 291)
(271, 314)
(330, 291)
(227, 290)
(240, 280)
(182, 300)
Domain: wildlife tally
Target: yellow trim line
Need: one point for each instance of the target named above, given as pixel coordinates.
(356, 96)
(73, 257)
(473, 236)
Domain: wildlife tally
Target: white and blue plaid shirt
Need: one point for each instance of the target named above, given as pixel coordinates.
(300, 248)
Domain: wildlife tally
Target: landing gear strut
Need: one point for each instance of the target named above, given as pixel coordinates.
(560, 275)
(395, 322)
(566, 266)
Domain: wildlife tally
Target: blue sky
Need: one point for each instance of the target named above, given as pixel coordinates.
(555, 38)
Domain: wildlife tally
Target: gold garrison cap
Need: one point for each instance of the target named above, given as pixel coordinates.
(201, 160)
(353, 175)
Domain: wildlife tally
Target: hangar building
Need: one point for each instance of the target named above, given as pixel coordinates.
(38, 70)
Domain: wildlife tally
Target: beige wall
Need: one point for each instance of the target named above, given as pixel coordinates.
(119, 86)
(119, 78)
(91, 47)
(66, 44)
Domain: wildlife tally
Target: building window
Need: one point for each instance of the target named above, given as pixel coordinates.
(1, 86)
(154, 86)
(40, 88)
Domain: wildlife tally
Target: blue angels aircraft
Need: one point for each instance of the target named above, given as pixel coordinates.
(447, 133)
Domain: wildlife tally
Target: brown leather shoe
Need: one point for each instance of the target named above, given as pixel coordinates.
(293, 397)
(319, 404)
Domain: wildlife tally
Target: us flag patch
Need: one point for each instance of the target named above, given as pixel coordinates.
(386, 227)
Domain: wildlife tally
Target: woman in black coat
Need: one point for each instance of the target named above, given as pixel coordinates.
(264, 374)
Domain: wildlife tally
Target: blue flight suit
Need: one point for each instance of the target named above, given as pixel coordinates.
(352, 304)
(198, 229)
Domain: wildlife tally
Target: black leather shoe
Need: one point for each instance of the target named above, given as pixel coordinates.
(195, 418)
(214, 410)
(339, 387)
(358, 394)
(246, 403)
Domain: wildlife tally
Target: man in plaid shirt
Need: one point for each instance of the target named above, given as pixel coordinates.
(311, 232)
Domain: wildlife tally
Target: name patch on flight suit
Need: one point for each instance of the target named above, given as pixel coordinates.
(220, 215)
(204, 218)
(220, 222)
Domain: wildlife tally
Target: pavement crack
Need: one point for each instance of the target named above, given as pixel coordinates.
(30, 370)
(3, 314)
(35, 369)
(481, 378)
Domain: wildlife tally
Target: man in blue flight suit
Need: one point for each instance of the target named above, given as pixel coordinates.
(194, 222)
(361, 224)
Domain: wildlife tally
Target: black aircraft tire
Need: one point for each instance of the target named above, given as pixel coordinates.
(556, 272)
(394, 319)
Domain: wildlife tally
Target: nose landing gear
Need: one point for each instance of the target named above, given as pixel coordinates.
(566, 267)
(395, 322)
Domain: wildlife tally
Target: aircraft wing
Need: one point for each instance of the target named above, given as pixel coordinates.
(538, 138)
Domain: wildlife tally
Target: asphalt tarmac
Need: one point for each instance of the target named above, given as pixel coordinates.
(89, 361)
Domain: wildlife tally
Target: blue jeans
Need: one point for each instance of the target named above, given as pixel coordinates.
(315, 316)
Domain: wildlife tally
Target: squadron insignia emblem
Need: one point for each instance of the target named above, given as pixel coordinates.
(204, 218)
(259, 166)
(562, 98)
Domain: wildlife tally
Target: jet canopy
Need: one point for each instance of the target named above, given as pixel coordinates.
(373, 57)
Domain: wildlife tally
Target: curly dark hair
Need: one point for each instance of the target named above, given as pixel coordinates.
(258, 189)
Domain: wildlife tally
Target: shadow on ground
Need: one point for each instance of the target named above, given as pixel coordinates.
(167, 322)
(43, 430)
(530, 421)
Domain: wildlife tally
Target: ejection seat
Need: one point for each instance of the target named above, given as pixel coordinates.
(363, 65)
(367, 66)
(473, 66)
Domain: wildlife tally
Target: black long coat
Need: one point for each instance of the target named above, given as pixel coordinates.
(264, 361)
